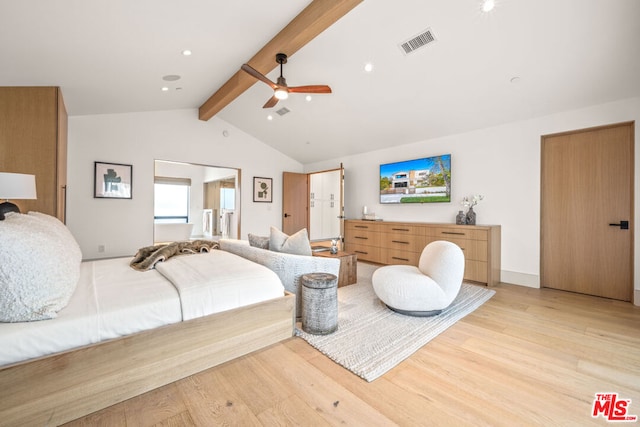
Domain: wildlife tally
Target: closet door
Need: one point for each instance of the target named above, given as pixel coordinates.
(587, 211)
(33, 140)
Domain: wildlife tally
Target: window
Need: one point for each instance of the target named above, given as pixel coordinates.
(171, 200)
(228, 198)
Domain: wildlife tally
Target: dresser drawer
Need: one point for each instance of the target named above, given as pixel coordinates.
(475, 271)
(363, 237)
(402, 257)
(472, 249)
(461, 233)
(404, 242)
(366, 253)
(405, 229)
(363, 226)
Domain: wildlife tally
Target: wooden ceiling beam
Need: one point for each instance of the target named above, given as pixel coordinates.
(312, 21)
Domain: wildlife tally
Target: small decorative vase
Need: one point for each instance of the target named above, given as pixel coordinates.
(461, 219)
(334, 246)
(471, 216)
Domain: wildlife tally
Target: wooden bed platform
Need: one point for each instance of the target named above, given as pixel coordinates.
(62, 387)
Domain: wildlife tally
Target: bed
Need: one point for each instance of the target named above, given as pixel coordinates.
(124, 332)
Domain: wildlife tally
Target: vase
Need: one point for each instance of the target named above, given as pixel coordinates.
(461, 219)
(471, 216)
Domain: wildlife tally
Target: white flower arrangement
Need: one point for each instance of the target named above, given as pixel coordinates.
(471, 201)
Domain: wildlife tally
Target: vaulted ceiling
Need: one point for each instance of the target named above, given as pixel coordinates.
(521, 60)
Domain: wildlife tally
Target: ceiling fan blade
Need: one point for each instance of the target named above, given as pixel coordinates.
(258, 75)
(271, 102)
(310, 89)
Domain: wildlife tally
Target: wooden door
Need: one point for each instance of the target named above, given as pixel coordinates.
(295, 201)
(587, 189)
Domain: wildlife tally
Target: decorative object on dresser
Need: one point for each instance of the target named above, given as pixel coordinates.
(112, 181)
(15, 186)
(262, 189)
(386, 242)
(470, 202)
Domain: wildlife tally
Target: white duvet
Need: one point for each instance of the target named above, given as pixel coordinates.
(113, 300)
(219, 281)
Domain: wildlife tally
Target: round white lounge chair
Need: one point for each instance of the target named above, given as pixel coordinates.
(425, 290)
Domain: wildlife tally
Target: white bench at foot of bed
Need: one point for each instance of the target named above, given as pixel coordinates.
(65, 386)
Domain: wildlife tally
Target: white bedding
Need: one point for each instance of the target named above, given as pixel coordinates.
(219, 281)
(113, 300)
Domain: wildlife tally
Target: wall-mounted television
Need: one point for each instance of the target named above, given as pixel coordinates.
(425, 180)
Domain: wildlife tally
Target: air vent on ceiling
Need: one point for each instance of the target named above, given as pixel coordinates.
(283, 111)
(415, 43)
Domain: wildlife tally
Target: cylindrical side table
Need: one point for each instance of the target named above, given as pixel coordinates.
(319, 303)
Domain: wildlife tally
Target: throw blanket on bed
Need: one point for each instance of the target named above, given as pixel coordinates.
(148, 257)
(219, 281)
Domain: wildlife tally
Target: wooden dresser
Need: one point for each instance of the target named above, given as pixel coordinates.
(386, 242)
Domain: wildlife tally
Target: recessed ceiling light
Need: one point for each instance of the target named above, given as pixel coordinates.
(269, 117)
(165, 89)
(171, 77)
(308, 98)
(488, 5)
(368, 67)
(186, 52)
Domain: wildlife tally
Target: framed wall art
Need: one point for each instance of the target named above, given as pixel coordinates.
(262, 189)
(112, 181)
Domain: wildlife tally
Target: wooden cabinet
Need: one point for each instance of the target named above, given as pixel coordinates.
(33, 140)
(403, 242)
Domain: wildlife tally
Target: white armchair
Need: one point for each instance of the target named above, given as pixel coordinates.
(425, 290)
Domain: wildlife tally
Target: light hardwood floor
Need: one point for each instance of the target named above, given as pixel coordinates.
(526, 357)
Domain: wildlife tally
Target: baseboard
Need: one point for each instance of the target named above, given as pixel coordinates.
(521, 279)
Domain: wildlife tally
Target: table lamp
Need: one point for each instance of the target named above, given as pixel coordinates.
(15, 186)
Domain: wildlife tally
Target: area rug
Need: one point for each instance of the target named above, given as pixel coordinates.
(371, 339)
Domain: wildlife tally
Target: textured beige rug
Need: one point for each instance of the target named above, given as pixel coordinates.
(371, 339)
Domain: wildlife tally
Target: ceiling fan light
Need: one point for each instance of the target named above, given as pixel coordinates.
(281, 94)
(488, 5)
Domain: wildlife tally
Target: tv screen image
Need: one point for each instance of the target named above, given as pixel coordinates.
(426, 180)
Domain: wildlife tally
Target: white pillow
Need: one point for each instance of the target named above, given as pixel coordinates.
(298, 243)
(39, 267)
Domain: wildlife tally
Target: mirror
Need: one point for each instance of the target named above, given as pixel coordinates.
(194, 201)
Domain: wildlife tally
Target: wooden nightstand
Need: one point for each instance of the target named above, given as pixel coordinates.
(348, 266)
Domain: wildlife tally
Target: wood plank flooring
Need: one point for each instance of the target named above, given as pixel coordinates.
(526, 357)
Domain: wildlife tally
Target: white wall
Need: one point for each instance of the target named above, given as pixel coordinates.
(122, 226)
(503, 164)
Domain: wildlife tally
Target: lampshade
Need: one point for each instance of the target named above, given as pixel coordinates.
(17, 186)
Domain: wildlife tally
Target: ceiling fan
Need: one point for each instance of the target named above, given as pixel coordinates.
(281, 90)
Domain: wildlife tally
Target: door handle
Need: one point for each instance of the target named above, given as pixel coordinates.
(624, 225)
(287, 215)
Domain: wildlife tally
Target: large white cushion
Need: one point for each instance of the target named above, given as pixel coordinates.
(297, 244)
(39, 267)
